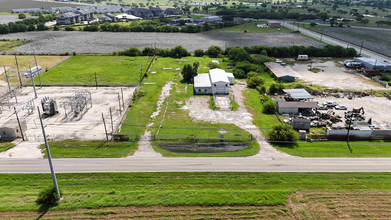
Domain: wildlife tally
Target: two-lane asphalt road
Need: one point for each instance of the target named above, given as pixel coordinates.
(222, 164)
(334, 41)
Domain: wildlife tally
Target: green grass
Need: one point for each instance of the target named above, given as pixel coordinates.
(251, 27)
(90, 149)
(212, 104)
(234, 106)
(18, 191)
(110, 70)
(4, 146)
(252, 150)
(6, 45)
(139, 114)
(337, 149)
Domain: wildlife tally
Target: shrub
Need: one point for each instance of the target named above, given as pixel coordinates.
(41, 27)
(69, 28)
(188, 72)
(239, 73)
(31, 27)
(254, 81)
(74, 53)
(261, 89)
(56, 28)
(214, 51)
(22, 16)
(48, 196)
(179, 51)
(131, 52)
(269, 107)
(199, 53)
(283, 132)
(212, 65)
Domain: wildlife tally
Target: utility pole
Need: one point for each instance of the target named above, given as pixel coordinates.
(32, 79)
(119, 103)
(49, 156)
(36, 65)
(361, 47)
(104, 123)
(350, 124)
(17, 67)
(20, 127)
(123, 103)
(96, 81)
(112, 125)
(8, 82)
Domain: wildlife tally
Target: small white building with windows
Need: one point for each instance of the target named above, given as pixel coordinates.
(217, 81)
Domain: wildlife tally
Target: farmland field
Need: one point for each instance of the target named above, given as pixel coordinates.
(6, 45)
(107, 42)
(110, 70)
(377, 40)
(251, 28)
(8, 5)
(198, 195)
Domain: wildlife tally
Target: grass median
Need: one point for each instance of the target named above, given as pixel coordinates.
(90, 149)
(18, 191)
(4, 146)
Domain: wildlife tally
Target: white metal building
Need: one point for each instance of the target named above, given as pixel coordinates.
(294, 107)
(217, 81)
(9, 131)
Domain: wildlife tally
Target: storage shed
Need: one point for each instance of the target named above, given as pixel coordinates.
(273, 24)
(298, 94)
(280, 72)
(9, 131)
(210, 19)
(220, 83)
(294, 107)
(202, 84)
(301, 124)
(372, 63)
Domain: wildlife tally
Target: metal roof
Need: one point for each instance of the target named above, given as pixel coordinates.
(298, 93)
(218, 75)
(280, 71)
(202, 81)
(371, 61)
(297, 104)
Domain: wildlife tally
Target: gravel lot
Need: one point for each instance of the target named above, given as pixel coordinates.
(107, 42)
(335, 76)
(377, 40)
(8, 5)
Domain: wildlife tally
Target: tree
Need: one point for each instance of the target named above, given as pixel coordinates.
(31, 27)
(239, 73)
(196, 65)
(40, 27)
(364, 21)
(48, 197)
(188, 72)
(214, 51)
(179, 51)
(199, 53)
(313, 24)
(254, 81)
(239, 55)
(56, 28)
(4, 29)
(22, 16)
(269, 107)
(283, 132)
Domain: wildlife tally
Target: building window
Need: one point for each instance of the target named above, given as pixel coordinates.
(199, 90)
(226, 85)
(4, 132)
(215, 85)
(206, 90)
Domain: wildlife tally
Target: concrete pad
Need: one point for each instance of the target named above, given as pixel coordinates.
(222, 101)
(25, 149)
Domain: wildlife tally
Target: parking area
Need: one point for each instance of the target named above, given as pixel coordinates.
(334, 75)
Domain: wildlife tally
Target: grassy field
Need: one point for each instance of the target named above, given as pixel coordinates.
(5, 146)
(90, 149)
(252, 28)
(18, 191)
(24, 62)
(110, 70)
(10, 45)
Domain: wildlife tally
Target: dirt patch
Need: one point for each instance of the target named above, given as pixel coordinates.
(204, 147)
(334, 75)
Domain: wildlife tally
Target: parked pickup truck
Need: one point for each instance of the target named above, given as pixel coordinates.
(330, 104)
(341, 107)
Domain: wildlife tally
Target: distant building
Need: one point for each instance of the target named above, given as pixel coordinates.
(295, 107)
(274, 24)
(157, 12)
(186, 20)
(18, 11)
(10, 130)
(373, 63)
(85, 14)
(301, 124)
(210, 19)
(33, 10)
(104, 19)
(67, 18)
(172, 11)
(280, 72)
(141, 12)
(217, 81)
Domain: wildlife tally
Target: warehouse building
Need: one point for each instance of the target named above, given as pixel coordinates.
(372, 63)
(210, 19)
(273, 24)
(297, 95)
(282, 73)
(295, 107)
(217, 81)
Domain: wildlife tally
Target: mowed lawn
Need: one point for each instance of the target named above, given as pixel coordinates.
(251, 27)
(96, 190)
(90, 149)
(110, 70)
(5, 146)
(9, 45)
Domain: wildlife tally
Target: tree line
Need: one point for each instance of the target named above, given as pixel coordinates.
(30, 24)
